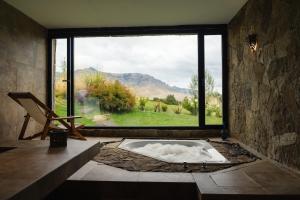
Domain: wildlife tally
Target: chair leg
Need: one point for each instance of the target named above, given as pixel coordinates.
(45, 130)
(22, 133)
(74, 132)
(79, 127)
(77, 135)
(33, 136)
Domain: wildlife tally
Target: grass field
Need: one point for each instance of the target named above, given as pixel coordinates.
(135, 117)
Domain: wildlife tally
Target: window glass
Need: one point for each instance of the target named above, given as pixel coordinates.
(59, 67)
(213, 80)
(136, 80)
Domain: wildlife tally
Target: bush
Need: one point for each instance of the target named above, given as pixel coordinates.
(171, 100)
(157, 107)
(112, 96)
(81, 96)
(190, 106)
(142, 103)
(178, 109)
(164, 108)
(213, 111)
(219, 112)
(60, 89)
(156, 99)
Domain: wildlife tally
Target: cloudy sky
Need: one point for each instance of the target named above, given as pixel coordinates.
(170, 58)
(213, 59)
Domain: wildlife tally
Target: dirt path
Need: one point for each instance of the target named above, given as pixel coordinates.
(103, 120)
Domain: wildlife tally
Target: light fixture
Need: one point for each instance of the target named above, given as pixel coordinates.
(252, 42)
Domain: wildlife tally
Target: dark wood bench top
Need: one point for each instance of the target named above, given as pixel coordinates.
(32, 169)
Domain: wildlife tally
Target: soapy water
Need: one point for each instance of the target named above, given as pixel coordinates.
(178, 153)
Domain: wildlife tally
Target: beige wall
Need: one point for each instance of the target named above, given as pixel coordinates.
(22, 66)
(264, 87)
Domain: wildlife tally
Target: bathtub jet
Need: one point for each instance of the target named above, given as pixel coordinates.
(175, 151)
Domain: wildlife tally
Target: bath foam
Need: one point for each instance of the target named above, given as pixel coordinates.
(177, 151)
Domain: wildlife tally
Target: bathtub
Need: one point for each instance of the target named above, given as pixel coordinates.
(175, 151)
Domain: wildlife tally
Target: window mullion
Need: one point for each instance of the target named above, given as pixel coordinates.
(201, 80)
(69, 76)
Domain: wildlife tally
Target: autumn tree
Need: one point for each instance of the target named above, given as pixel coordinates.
(112, 96)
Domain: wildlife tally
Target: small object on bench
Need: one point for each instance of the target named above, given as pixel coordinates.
(44, 116)
(224, 133)
(58, 137)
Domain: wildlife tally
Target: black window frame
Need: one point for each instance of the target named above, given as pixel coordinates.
(200, 30)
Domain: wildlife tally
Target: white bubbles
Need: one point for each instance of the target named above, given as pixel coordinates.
(179, 153)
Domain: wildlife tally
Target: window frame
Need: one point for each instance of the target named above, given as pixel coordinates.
(200, 30)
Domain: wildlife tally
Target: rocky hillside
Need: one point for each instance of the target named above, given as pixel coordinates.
(141, 84)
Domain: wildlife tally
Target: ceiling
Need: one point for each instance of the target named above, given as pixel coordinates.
(125, 13)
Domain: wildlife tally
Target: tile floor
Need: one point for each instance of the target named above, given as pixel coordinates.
(258, 180)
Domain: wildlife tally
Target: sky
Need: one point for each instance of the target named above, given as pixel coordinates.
(169, 58)
(213, 59)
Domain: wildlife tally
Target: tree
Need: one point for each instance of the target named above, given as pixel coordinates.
(189, 105)
(60, 85)
(209, 83)
(193, 105)
(112, 96)
(171, 100)
(142, 103)
(194, 86)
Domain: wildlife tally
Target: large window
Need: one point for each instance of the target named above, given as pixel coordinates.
(136, 80)
(147, 80)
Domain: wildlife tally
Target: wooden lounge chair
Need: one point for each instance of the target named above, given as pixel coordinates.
(43, 115)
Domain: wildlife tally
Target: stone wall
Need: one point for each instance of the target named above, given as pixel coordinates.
(22, 66)
(264, 86)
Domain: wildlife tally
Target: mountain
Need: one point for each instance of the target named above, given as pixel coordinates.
(141, 84)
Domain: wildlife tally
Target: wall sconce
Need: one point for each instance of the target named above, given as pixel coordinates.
(252, 42)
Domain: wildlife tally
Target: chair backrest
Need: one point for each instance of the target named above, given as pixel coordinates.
(34, 107)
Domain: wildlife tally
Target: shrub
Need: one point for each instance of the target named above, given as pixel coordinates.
(142, 103)
(178, 109)
(186, 104)
(219, 112)
(213, 111)
(157, 107)
(81, 96)
(112, 96)
(171, 100)
(190, 105)
(164, 108)
(60, 89)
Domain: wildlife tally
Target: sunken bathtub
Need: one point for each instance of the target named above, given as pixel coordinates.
(175, 151)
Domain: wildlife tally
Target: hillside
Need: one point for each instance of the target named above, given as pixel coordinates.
(141, 84)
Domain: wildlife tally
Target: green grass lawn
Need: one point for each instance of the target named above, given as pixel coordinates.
(61, 110)
(210, 120)
(136, 117)
(150, 118)
(60, 107)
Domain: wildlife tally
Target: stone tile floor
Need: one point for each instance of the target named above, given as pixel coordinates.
(261, 179)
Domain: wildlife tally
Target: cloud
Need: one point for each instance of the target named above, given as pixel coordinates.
(213, 59)
(170, 58)
(61, 52)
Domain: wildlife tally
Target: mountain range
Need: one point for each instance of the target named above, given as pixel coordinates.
(142, 85)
